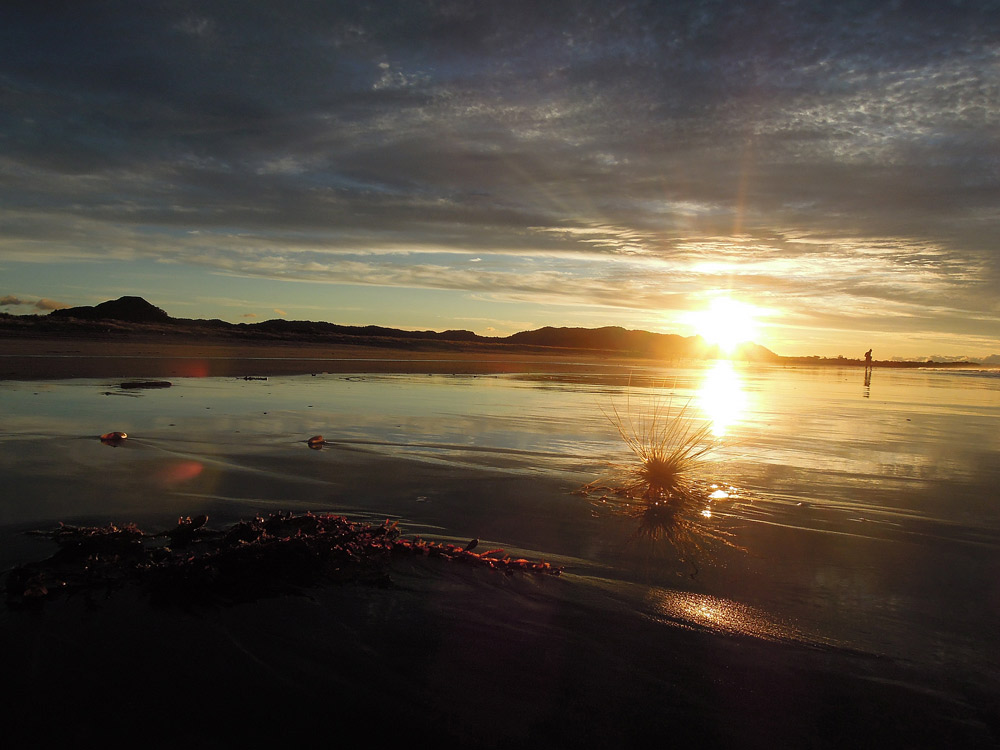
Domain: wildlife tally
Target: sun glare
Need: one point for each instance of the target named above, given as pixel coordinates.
(726, 323)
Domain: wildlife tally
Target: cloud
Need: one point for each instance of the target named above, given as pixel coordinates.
(946, 358)
(196, 26)
(49, 304)
(282, 313)
(248, 315)
(841, 159)
(11, 300)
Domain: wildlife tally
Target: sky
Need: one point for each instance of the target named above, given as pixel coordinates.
(828, 171)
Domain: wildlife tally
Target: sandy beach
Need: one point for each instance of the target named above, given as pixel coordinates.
(857, 608)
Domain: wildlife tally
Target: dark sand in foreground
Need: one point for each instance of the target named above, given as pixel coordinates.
(448, 655)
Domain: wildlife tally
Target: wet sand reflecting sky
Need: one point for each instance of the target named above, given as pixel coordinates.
(866, 516)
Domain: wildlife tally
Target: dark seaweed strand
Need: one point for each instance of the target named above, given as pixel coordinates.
(261, 557)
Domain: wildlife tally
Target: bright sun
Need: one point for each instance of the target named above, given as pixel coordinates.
(726, 323)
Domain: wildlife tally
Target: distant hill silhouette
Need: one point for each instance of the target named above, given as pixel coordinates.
(134, 316)
(637, 343)
(609, 337)
(128, 309)
(612, 340)
(320, 328)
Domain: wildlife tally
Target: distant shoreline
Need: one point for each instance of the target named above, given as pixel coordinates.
(130, 316)
(42, 358)
(132, 337)
(877, 363)
(30, 356)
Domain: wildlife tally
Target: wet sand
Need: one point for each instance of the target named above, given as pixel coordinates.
(146, 357)
(859, 614)
(443, 658)
(450, 654)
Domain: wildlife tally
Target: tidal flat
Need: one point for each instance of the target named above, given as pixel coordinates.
(858, 603)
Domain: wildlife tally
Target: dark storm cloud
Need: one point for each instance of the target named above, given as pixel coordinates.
(220, 132)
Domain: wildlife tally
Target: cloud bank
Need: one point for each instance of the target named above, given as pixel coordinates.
(836, 163)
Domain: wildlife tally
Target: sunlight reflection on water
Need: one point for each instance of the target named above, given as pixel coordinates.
(721, 396)
(719, 615)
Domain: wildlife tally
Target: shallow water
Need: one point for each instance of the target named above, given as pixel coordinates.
(866, 515)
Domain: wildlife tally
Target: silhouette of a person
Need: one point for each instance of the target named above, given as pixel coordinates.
(868, 359)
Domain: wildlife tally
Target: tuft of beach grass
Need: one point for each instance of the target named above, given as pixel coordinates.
(668, 446)
(664, 487)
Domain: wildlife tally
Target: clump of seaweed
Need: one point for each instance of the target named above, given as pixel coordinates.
(662, 488)
(257, 558)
